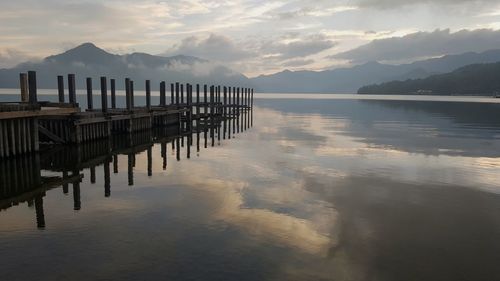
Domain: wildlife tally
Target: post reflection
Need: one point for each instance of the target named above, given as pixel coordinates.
(27, 179)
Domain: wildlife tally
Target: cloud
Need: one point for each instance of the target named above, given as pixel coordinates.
(423, 44)
(215, 47)
(198, 69)
(313, 11)
(304, 47)
(10, 57)
(298, 62)
(398, 3)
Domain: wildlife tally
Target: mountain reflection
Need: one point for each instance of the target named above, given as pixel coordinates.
(431, 128)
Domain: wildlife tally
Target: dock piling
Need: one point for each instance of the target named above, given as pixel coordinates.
(113, 94)
(72, 89)
(60, 88)
(32, 91)
(148, 94)
(90, 102)
(104, 95)
(127, 94)
(23, 83)
(162, 93)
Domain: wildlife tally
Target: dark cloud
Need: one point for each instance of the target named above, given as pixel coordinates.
(424, 44)
(215, 47)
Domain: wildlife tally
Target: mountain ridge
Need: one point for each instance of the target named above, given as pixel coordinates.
(474, 80)
(88, 60)
(349, 80)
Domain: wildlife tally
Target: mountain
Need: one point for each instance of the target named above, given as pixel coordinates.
(349, 80)
(476, 79)
(87, 60)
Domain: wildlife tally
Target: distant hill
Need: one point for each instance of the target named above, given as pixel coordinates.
(349, 80)
(87, 60)
(476, 79)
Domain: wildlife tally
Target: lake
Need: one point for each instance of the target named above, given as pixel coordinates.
(327, 188)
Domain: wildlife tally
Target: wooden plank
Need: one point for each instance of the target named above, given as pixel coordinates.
(38, 113)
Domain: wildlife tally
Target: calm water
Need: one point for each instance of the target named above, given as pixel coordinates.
(320, 189)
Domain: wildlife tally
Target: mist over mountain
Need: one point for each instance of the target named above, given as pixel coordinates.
(471, 80)
(87, 60)
(349, 80)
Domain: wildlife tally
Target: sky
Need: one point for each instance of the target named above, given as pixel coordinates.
(253, 37)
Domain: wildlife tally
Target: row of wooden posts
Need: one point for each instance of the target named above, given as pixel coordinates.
(28, 86)
(22, 130)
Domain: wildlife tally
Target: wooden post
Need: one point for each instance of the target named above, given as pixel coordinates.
(189, 97)
(246, 108)
(104, 94)
(150, 162)
(77, 203)
(212, 114)
(234, 110)
(132, 99)
(115, 164)
(251, 111)
(177, 94)
(198, 117)
(238, 110)
(182, 93)
(92, 174)
(228, 112)
(107, 180)
(40, 217)
(72, 89)
(148, 94)
(224, 112)
(218, 108)
(127, 93)
(113, 94)
(32, 87)
(23, 85)
(162, 93)
(205, 114)
(60, 88)
(90, 102)
(171, 93)
(130, 169)
(249, 108)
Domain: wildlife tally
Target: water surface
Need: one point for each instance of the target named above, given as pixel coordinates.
(319, 189)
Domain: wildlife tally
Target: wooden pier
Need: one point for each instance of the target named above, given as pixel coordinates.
(27, 178)
(26, 125)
